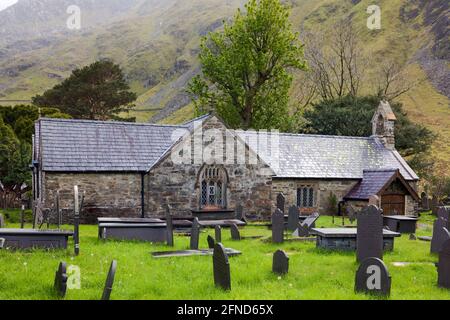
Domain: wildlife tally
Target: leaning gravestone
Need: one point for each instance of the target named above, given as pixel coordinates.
(280, 202)
(278, 226)
(218, 233)
(221, 268)
(2, 221)
(303, 229)
(434, 204)
(61, 277)
(425, 203)
(440, 235)
(369, 236)
(373, 277)
(280, 262)
(169, 226)
(444, 266)
(195, 234)
(235, 234)
(292, 218)
(109, 281)
(211, 242)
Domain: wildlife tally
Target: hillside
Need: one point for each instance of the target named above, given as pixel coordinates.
(156, 43)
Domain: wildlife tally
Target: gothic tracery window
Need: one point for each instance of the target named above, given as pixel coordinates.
(213, 182)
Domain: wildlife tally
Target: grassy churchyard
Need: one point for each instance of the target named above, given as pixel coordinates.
(313, 273)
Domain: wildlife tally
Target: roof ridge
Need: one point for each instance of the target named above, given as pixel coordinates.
(308, 135)
(110, 122)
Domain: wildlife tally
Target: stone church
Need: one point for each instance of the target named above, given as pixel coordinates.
(202, 168)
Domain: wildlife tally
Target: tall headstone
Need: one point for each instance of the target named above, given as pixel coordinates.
(2, 221)
(278, 226)
(211, 242)
(292, 218)
(195, 234)
(373, 277)
(58, 210)
(440, 234)
(169, 227)
(109, 281)
(221, 268)
(76, 231)
(218, 233)
(280, 263)
(425, 201)
(281, 202)
(240, 213)
(61, 277)
(235, 234)
(22, 216)
(369, 237)
(434, 204)
(444, 266)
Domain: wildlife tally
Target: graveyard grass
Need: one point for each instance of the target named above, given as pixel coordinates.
(313, 273)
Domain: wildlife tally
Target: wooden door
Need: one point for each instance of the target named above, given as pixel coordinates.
(393, 204)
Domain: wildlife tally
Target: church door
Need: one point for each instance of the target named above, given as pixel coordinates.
(393, 204)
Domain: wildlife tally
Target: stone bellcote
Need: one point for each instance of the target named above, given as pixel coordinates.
(383, 124)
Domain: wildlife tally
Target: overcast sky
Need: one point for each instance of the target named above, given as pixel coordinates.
(6, 3)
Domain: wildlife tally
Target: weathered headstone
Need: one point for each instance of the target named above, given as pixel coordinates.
(425, 201)
(277, 226)
(221, 268)
(440, 235)
(2, 221)
(280, 262)
(444, 266)
(303, 229)
(195, 234)
(281, 202)
(292, 218)
(109, 281)
(235, 234)
(61, 277)
(218, 233)
(169, 226)
(434, 204)
(369, 238)
(240, 215)
(211, 242)
(373, 277)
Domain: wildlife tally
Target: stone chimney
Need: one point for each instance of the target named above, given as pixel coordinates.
(383, 124)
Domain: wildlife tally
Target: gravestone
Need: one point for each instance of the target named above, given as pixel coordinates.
(61, 277)
(58, 211)
(109, 281)
(373, 277)
(218, 233)
(195, 234)
(22, 217)
(444, 266)
(76, 229)
(2, 242)
(425, 201)
(2, 221)
(351, 213)
(277, 226)
(221, 268)
(434, 204)
(280, 262)
(235, 234)
(369, 238)
(444, 213)
(169, 226)
(440, 235)
(292, 218)
(240, 213)
(211, 242)
(280, 202)
(303, 229)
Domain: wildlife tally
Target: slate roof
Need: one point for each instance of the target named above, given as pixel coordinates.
(371, 184)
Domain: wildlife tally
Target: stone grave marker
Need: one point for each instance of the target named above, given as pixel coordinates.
(303, 229)
(235, 234)
(22, 217)
(2, 242)
(369, 238)
(278, 226)
(351, 213)
(109, 281)
(292, 218)
(280, 262)
(281, 202)
(61, 277)
(434, 204)
(195, 234)
(240, 213)
(58, 210)
(169, 224)
(218, 233)
(425, 201)
(221, 268)
(76, 228)
(2, 221)
(373, 277)
(211, 242)
(440, 235)
(444, 266)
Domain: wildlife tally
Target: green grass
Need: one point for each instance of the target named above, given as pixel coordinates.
(313, 274)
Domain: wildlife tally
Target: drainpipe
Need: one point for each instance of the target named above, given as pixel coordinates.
(143, 194)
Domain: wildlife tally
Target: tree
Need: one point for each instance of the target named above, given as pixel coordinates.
(246, 68)
(97, 92)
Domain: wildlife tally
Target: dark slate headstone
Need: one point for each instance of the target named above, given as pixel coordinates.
(373, 277)
(280, 262)
(444, 266)
(2, 221)
(218, 233)
(280, 202)
(425, 201)
(61, 277)
(195, 234)
(278, 226)
(169, 224)
(292, 218)
(109, 281)
(235, 234)
(221, 268)
(211, 242)
(444, 213)
(434, 204)
(440, 235)
(303, 229)
(369, 238)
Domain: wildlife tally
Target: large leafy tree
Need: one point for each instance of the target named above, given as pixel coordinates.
(97, 92)
(245, 68)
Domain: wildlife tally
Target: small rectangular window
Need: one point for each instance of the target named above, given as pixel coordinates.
(305, 197)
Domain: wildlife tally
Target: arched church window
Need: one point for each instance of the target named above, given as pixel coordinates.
(213, 181)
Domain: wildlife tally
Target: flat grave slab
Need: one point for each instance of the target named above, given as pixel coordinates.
(189, 253)
(402, 224)
(32, 238)
(149, 232)
(345, 238)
